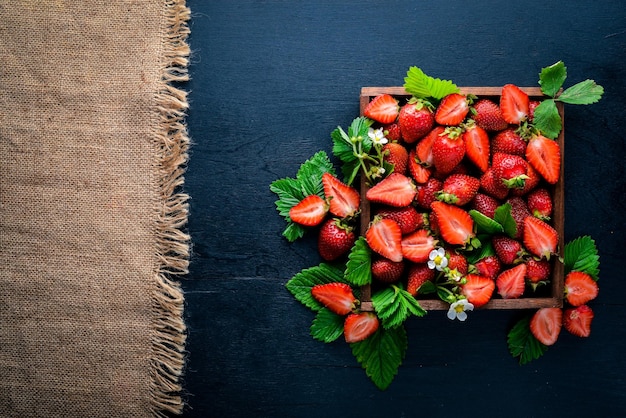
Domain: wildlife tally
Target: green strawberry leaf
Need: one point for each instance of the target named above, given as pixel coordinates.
(547, 119)
(423, 86)
(485, 224)
(551, 78)
(359, 265)
(381, 354)
(359, 128)
(523, 344)
(300, 285)
(348, 145)
(503, 216)
(394, 305)
(327, 326)
(583, 93)
(427, 288)
(581, 254)
(483, 251)
(311, 171)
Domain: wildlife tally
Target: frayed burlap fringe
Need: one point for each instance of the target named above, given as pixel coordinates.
(172, 142)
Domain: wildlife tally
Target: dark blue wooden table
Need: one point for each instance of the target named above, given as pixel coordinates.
(270, 81)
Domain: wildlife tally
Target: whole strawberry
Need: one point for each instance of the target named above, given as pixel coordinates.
(508, 142)
(397, 155)
(540, 203)
(537, 272)
(419, 273)
(387, 271)
(426, 192)
(416, 119)
(493, 186)
(458, 189)
(407, 217)
(519, 212)
(335, 239)
(510, 169)
(488, 116)
(488, 266)
(508, 250)
(484, 204)
(448, 150)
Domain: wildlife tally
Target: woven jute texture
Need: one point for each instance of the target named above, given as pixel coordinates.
(93, 145)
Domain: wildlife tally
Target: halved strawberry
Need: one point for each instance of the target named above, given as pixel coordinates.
(358, 326)
(511, 283)
(384, 237)
(544, 154)
(337, 297)
(424, 148)
(580, 288)
(455, 224)
(394, 190)
(488, 116)
(387, 271)
(540, 238)
(477, 146)
(344, 200)
(310, 211)
(546, 324)
(383, 108)
(452, 109)
(417, 246)
(419, 172)
(418, 274)
(578, 320)
(514, 104)
(478, 289)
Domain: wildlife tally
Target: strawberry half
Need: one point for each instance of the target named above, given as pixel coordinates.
(514, 104)
(419, 172)
(394, 190)
(310, 211)
(478, 289)
(455, 224)
(580, 288)
(477, 146)
(546, 324)
(544, 155)
(578, 320)
(540, 239)
(344, 200)
(383, 108)
(511, 283)
(384, 237)
(417, 246)
(337, 297)
(452, 109)
(358, 326)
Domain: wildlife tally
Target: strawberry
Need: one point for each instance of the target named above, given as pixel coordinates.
(448, 150)
(478, 289)
(531, 109)
(544, 155)
(337, 297)
(531, 182)
(424, 148)
(392, 132)
(426, 192)
(488, 266)
(484, 204)
(416, 119)
(519, 212)
(580, 288)
(488, 116)
(394, 190)
(407, 217)
(511, 283)
(418, 275)
(457, 261)
(477, 146)
(540, 239)
(387, 271)
(397, 155)
(359, 326)
(452, 109)
(514, 104)
(492, 186)
(455, 224)
(417, 246)
(545, 325)
(335, 239)
(508, 142)
(509, 169)
(384, 237)
(310, 211)
(419, 172)
(458, 189)
(578, 320)
(344, 199)
(383, 108)
(537, 272)
(508, 250)
(540, 203)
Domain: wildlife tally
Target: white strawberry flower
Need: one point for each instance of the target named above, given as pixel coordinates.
(377, 136)
(437, 259)
(458, 308)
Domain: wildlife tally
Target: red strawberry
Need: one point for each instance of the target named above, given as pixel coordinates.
(383, 108)
(418, 275)
(514, 104)
(396, 155)
(488, 116)
(344, 200)
(416, 119)
(478, 289)
(508, 142)
(359, 326)
(508, 250)
(433, 225)
(455, 225)
(488, 266)
(519, 212)
(531, 182)
(511, 282)
(457, 261)
(511, 170)
(448, 150)
(484, 204)
(394, 190)
(426, 192)
(335, 239)
(452, 109)
(337, 297)
(407, 217)
(387, 271)
(540, 203)
(417, 246)
(492, 186)
(310, 211)
(458, 189)
(537, 272)
(477, 146)
(384, 237)
(545, 325)
(531, 109)
(420, 173)
(392, 132)
(580, 288)
(424, 148)
(544, 155)
(540, 239)
(578, 320)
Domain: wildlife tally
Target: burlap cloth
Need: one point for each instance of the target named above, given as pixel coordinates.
(92, 151)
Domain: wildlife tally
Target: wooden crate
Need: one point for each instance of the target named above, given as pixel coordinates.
(554, 294)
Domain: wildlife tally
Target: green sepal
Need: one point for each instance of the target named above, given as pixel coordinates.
(327, 326)
(523, 344)
(359, 266)
(301, 284)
